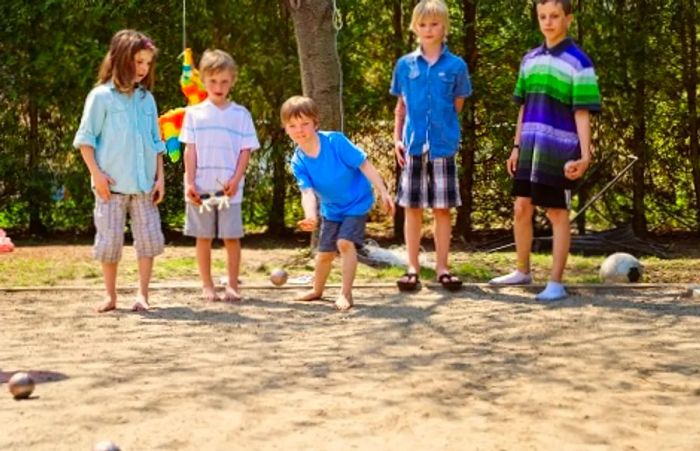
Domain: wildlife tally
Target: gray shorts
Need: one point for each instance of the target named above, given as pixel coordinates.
(351, 228)
(110, 220)
(225, 224)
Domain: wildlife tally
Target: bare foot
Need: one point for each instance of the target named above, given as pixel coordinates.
(232, 295)
(107, 305)
(343, 303)
(209, 294)
(309, 296)
(140, 304)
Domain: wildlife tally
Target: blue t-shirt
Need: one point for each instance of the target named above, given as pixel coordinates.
(429, 92)
(334, 174)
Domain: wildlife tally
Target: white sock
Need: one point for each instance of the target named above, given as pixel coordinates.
(554, 291)
(517, 277)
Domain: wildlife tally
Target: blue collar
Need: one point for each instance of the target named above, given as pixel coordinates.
(557, 49)
(417, 53)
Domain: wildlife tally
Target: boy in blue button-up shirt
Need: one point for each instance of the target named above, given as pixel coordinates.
(431, 84)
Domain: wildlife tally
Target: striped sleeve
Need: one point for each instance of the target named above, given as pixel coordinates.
(585, 90)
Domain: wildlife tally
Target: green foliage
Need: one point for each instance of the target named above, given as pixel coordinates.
(52, 48)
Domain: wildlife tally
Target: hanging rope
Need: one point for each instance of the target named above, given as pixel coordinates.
(337, 25)
(184, 24)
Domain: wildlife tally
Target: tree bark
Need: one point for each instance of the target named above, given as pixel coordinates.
(319, 62)
(318, 57)
(467, 150)
(397, 25)
(689, 61)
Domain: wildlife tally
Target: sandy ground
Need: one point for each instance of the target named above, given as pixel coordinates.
(473, 371)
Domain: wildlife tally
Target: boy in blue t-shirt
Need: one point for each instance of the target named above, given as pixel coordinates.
(328, 165)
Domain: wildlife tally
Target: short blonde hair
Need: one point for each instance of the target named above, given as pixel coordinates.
(298, 106)
(216, 60)
(430, 8)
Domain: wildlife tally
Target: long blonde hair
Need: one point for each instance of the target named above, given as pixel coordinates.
(118, 63)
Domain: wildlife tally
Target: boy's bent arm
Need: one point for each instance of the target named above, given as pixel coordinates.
(459, 104)
(375, 179)
(241, 166)
(99, 178)
(512, 162)
(399, 120)
(308, 204)
(575, 169)
(190, 174)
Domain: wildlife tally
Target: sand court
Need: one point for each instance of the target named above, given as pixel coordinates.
(476, 369)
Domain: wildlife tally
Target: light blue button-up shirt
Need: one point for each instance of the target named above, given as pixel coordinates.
(124, 132)
(429, 92)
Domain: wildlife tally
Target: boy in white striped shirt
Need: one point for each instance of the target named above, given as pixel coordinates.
(219, 136)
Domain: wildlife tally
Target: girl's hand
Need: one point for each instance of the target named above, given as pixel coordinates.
(158, 192)
(102, 182)
(400, 151)
(308, 224)
(388, 204)
(512, 162)
(191, 194)
(575, 169)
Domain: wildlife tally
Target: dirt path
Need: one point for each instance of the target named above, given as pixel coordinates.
(479, 370)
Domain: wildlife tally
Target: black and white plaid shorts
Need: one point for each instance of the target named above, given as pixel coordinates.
(429, 183)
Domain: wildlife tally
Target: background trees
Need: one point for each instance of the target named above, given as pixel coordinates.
(645, 52)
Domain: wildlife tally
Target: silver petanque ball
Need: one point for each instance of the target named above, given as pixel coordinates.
(21, 385)
(278, 277)
(105, 445)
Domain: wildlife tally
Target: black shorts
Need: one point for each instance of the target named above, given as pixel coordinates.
(542, 195)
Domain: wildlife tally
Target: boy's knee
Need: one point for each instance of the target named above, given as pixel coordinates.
(557, 215)
(441, 213)
(522, 210)
(324, 257)
(345, 246)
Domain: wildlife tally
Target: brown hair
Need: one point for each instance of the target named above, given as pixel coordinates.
(565, 4)
(297, 106)
(214, 61)
(118, 63)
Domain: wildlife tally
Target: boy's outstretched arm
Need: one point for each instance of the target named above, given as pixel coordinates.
(231, 185)
(399, 120)
(308, 204)
(190, 173)
(575, 169)
(375, 179)
(512, 162)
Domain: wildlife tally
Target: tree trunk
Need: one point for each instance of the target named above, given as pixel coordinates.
(319, 63)
(318, 57)
(467, 150)
(689, 62)
(36, 227)
(397, 23)
(275, 221)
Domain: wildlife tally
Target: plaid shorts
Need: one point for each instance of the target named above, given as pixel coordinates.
(110, 220)
(429, 183)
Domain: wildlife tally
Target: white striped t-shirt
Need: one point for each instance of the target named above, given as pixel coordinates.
(218, 134)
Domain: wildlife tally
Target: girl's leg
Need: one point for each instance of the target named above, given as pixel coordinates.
(323, 268)
(145, 271)
(109, 273)
(348, 254)
(233, 266)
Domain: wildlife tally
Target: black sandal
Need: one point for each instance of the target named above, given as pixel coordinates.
(409, 281)
(447, 281)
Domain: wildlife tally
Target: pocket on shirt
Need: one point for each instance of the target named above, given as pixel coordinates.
(447, 86)
(118, 116)
(147, 117)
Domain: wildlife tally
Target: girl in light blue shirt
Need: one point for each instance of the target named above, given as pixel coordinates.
(120, 143)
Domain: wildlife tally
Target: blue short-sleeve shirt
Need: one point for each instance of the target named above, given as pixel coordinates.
(429, 92)
(123, 130)
(335, 176)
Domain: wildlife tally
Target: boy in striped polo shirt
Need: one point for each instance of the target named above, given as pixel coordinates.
(557, 89)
